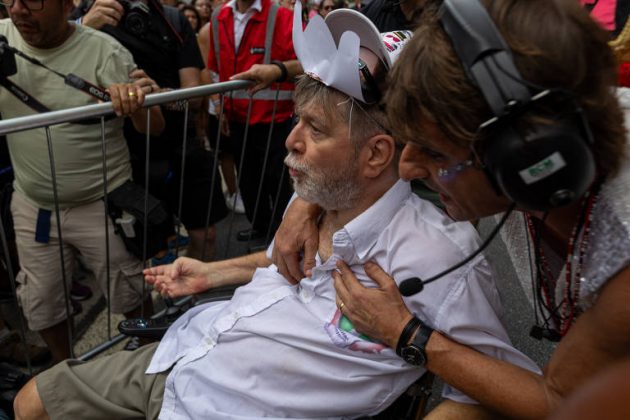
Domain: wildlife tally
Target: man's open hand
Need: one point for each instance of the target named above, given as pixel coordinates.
(185, 276)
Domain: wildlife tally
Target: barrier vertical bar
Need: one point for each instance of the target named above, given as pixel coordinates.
(107, 255)
(240, 167)
(147, 161)
(64, 276)
(275, 203)
(215, 171)
(5, 247)
(264, 167)
(180, 195)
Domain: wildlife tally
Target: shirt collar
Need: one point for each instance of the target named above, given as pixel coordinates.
(364, 229)
(257, 5)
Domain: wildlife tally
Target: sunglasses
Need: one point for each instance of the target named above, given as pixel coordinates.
(369, 87)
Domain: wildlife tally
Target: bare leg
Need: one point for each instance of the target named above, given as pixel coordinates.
(197, 242)
(228, 169)
(57, 340)
(28, 405)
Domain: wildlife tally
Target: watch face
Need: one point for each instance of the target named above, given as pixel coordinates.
(413, 355)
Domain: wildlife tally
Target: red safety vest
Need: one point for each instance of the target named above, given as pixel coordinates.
(267, 36)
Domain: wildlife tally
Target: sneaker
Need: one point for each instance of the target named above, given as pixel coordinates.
(235, 203)
(168, 258)
(181, 241)
(80, 291)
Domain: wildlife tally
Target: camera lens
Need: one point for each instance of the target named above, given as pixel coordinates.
(136, 23)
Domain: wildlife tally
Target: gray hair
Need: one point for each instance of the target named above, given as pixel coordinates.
(366, 122)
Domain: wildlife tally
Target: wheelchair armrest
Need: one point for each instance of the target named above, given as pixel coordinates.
(155, 327)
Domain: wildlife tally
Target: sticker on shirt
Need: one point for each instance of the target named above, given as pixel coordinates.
(257, 50)
(342, 334)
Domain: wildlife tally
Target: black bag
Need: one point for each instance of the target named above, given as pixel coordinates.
(126, 208)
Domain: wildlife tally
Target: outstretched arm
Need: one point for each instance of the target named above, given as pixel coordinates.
(188, 276)
(266, 74)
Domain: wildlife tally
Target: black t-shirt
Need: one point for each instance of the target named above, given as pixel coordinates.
(168, 45)
(386, 15)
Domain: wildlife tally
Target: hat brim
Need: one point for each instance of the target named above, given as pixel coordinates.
(342, 20)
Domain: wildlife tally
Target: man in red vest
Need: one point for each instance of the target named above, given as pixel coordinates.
(245, 33)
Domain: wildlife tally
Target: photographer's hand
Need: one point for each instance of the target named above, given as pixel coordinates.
(142, 80)
(103, 12)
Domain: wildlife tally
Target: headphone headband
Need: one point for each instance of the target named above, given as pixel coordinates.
(544, 166)
(485, 55)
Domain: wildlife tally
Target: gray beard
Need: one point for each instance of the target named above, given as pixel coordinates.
(331, 191)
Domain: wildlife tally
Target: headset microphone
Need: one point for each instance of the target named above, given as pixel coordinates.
(415, 285)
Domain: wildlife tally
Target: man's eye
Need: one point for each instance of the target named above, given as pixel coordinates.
(315, 129)
(296, 119)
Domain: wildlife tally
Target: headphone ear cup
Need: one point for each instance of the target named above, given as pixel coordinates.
(550, 166)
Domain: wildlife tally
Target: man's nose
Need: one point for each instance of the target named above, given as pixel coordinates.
(293, 141)
(18, 7)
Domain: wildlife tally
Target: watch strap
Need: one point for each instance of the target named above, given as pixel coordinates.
(422, 337)
(406, 334)
(284, 73)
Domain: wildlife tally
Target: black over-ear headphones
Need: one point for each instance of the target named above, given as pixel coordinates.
(546, 164)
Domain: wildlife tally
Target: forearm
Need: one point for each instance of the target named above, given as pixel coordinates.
(499, 385)
(294, 68)
(236, 271)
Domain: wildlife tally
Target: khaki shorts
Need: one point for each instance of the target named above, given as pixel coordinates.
(40, 285)
(112, 387)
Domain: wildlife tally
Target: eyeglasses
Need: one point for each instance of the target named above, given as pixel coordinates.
(32, 5)
(328, 8)
(206, 5)
(448, 174)
(369, 87)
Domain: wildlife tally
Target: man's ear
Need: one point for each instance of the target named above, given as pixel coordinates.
(379, 152)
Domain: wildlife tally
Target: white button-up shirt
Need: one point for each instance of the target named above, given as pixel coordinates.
(241, 19)
(285, 351)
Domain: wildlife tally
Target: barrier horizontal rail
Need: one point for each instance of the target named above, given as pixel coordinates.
(105, 108)
(45, 120)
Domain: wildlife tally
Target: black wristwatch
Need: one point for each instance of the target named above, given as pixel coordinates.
(414, 353)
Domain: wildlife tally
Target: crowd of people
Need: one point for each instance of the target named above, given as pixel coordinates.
(505, 109)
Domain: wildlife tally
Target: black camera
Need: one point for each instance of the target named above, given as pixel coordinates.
(8, 66)
(136, 19)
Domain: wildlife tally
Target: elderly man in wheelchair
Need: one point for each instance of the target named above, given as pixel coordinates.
(286, 350)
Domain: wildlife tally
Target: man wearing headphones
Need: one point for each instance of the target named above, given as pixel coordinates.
(528, 116)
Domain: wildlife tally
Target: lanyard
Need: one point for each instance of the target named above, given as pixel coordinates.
(70, 79)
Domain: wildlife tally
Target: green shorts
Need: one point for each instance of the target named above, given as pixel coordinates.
(112, 387)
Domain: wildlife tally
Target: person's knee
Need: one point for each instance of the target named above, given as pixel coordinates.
(28, 404)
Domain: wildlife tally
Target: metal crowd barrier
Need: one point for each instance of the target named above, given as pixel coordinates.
(102, 110)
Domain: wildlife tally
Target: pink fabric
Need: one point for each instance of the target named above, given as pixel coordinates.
(603, 12)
